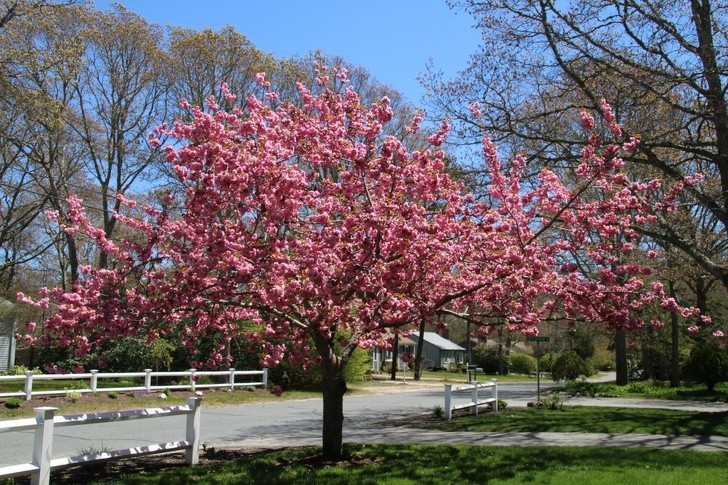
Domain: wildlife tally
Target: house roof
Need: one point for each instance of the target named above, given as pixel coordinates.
(438, 341)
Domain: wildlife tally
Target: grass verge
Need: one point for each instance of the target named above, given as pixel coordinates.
(583, 419)
(650, 390)
(102, 401)
(439, 464)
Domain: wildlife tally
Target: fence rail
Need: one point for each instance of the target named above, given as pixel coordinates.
(45, 422)
(94, 376)
(474, 402)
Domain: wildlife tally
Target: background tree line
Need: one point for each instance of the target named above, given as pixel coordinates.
(663, 68)
(81, 91)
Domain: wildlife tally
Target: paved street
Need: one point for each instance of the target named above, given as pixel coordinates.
(291, 423)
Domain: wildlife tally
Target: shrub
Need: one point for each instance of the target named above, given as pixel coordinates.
(581, 388)
(73, 395)
(438, 411)
(522, 364)
(13, 403)
(546, 362)
(489, 360)
(707, 364)
(569, 366)
(113, 395)
(20, 370)
(502, 405)
(358, 366)
(553, 401)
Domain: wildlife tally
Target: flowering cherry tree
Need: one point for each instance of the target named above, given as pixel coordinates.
(305, 229)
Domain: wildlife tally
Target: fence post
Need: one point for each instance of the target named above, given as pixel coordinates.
(192, 454)
(448, 397)
(148, 379)
(495, 395)
(28, 385)
(42, 444)
(193, 378)
(265, 378)
(474, 397)
(94, 380)
(231, 379)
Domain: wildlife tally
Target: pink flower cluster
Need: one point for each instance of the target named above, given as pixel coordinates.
(303, 226)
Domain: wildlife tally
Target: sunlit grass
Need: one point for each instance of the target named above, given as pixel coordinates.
(416, 464)
(595, 420)
(651, 390)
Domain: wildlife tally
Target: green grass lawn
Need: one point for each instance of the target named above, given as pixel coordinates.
(595, 420)
(433, 464)
(651, 390)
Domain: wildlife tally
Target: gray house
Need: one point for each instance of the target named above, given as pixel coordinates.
(440, 352)
(7, 335)
(380, 356)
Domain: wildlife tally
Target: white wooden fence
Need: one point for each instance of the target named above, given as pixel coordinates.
(474, 402)
(94, 376)
(45, 422)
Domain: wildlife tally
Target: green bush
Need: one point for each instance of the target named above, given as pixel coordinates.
(488, 360)
(13, 403)
(358, 366)
(553, 401)
(522, 364)
(569, 366)
(581, 388)
(438, 411)
(20, 370)
(546, 362)
(707, 364)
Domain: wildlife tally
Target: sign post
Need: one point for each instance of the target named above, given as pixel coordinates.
(538, 339)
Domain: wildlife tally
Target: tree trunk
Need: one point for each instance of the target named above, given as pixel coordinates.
(674, 342)
(418, 351)
(334, 389)
(395, 356)
(620, 351)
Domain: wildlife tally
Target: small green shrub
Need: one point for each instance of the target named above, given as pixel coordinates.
(438, 411)
(581, 388)
(113, 395)
(569, 366)
(522, 364)
(546, 362)
(502, 405)
(707, 364)
(553, 401)
(73, 395)
(20, 370)
(13, 403)
(489, 360)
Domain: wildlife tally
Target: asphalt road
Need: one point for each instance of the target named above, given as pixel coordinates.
(271, 423)
(295, 423)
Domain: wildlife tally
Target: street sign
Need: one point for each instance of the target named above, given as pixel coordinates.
(538, 339)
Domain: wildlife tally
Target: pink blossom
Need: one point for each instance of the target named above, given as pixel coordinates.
(587, 121)
(693, 329)
(718, 334)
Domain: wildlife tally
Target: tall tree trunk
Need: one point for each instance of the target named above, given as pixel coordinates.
(333, 393)
(418, 351)
(674, 341)
(620, 351)
(395, 356)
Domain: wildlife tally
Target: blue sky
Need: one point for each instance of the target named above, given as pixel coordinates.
(393, 39)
